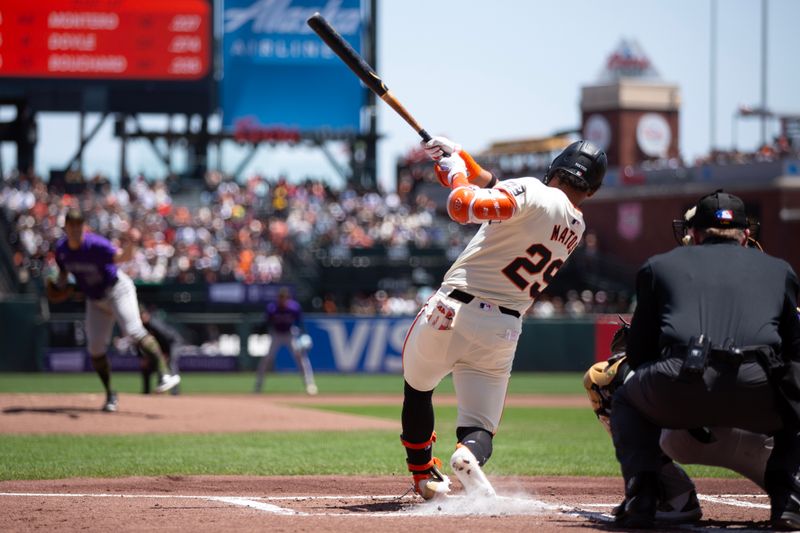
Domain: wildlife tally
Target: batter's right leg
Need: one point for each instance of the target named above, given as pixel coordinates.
(418, 437)
(427, 359)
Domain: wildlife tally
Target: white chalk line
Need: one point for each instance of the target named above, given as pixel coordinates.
(203, 497)
(261, 506)
(421, 509)
(732, 502)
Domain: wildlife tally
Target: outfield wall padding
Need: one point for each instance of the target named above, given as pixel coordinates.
(345, 343)
(22, 336)
(556, 345)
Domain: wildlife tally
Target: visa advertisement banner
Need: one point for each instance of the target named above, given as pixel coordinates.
(277, 72)
(353, 344)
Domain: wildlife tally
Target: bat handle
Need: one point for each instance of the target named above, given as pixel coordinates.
(427, 137)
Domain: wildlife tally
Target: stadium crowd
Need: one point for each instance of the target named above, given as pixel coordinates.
(243, 232)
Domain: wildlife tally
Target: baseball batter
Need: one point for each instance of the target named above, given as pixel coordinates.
(110, 297)
(470, 327)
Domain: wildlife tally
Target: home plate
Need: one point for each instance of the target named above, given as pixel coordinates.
(480, 506)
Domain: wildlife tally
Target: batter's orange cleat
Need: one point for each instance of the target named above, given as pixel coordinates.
(429, 481)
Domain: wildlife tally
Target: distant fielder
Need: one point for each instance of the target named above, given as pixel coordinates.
(110, 297)
(284, 319)
(470, 327)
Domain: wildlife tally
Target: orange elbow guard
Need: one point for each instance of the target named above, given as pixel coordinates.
(459, 202)
(471, 204)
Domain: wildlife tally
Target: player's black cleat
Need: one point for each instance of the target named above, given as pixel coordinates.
(785, 500)
(638, 511)
(111, 403)
(678, 512)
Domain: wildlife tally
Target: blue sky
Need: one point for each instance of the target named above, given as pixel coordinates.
(483, 71)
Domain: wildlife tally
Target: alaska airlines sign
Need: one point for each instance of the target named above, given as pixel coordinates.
(276, 30)
(278, 73)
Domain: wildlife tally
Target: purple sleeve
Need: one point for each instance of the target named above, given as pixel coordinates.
(106, 249)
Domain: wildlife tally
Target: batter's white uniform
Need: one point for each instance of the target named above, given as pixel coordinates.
(504, 268)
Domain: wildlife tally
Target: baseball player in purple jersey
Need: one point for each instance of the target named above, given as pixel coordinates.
(470, 327)
(284, 319)
(110, 297)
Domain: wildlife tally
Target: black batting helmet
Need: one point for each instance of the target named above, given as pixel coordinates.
(583, 160)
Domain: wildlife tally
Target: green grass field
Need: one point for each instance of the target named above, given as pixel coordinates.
(222, 383)
(531, 441)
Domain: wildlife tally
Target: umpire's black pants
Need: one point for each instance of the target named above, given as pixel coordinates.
(654, 397)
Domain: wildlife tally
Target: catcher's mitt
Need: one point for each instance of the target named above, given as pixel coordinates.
(602, 379)
(56, 294)
(600, 382)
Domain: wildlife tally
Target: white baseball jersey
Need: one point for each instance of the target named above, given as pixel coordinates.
(511, 262)
(506, 264)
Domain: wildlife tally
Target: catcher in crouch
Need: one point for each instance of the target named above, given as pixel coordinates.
(735, 449)
(110, 297)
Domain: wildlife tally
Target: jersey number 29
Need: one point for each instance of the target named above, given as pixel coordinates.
(538, 260)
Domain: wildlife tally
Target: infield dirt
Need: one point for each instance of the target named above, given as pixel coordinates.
(300, 503)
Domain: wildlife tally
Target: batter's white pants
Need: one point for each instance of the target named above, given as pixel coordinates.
(119, 305)
(478, 349)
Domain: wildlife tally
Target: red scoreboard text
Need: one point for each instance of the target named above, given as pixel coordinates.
(166, 40)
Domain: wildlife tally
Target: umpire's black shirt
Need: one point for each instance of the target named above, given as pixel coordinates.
(723, 290)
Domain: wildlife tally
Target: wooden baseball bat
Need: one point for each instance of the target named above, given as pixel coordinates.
(361, 69)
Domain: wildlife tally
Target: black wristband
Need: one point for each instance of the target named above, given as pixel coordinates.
(492, 182)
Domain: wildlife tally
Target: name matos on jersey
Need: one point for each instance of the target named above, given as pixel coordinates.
(565, 236)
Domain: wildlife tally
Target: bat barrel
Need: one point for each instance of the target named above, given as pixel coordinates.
(361, 69)
(346, 53)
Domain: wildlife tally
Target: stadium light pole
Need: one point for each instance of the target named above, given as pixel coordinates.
(372, 135)
(712, 78)
(764, 13)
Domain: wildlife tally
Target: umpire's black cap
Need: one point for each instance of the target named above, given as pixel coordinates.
(720, 210)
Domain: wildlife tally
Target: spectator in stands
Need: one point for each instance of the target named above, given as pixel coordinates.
(240, 232)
